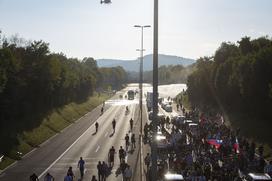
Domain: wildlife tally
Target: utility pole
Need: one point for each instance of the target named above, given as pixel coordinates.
(154, 150)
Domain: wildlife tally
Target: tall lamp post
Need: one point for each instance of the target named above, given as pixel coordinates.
(141, 81)
(141, 72)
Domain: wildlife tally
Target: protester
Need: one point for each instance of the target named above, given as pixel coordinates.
(99, 170)
(33, 177)
(49, 177)
(127, 173)
(80, 165)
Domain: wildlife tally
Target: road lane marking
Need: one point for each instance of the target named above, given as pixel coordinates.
(50, 166)
(97, 149)
(106, 134)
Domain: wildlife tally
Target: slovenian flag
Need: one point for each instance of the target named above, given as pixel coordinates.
(215, 142)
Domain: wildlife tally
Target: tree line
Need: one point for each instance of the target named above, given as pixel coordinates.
(236, 80)
(166, 74)
(34, 80)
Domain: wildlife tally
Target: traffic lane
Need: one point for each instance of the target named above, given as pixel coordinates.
(40, 158)
(94, 147)
(85, 143)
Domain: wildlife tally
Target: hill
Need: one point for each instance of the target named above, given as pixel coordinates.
(133, 65)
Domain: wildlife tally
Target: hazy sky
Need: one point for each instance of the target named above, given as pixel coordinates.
(85, 28)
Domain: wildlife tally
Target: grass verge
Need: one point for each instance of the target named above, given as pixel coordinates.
(57, 120)
(184, 99)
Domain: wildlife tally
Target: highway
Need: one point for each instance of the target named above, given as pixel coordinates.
(65, 149)
(79, 140)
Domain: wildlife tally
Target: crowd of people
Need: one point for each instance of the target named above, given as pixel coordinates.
(104, 168)
(204, 148)
(197, 147)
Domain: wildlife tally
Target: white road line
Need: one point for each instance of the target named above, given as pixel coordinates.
(50, 166)
(97, 149)
(106, 134)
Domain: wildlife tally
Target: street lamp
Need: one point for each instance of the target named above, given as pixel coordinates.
(141, 80)
(141, 72)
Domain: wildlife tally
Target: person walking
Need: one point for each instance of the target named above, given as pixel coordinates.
(105, 171)
(96, 127)
(33, 177)
(94, 178)
(113, 125)
(111, 156)
(133, 142)
(49, 177)
(99, 171)
(68, 177)
(127, 141)
(127, 173)
(147, 160)
(71, 173)
(131, 124)
(80, 165)
(122, 154)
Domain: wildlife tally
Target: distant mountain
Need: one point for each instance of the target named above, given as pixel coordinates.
(133, 65)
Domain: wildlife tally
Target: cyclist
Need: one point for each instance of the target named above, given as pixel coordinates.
(131, 123)
(122, 154)
(127, 141)
(113, 125)
(80, 165)
(133, 141)
(111, 156)
(96, 127)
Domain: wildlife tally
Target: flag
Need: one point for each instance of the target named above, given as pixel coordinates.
(215, 142)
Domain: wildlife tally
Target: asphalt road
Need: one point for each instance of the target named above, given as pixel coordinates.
(79, 140)
(65, 149)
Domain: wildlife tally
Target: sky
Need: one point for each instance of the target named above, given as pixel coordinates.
(86, 28)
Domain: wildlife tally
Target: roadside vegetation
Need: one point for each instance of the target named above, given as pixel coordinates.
(171, 74)
(237, 82)
(42, 92)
